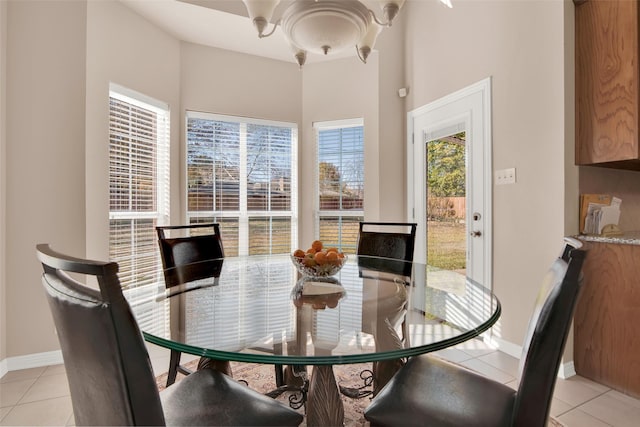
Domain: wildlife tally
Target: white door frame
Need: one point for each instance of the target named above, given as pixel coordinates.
(468, 109)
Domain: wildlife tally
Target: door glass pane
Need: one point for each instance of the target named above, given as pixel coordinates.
(446, 203)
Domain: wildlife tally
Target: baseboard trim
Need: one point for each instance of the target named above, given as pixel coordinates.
(3, 367)
(35, 360)
(566, 370)
(510, 348)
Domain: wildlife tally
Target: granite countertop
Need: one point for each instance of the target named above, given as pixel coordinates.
(628, 238)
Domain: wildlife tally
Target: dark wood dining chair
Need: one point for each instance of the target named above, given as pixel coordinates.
(180, 247)
(434, 392)
(110, 377)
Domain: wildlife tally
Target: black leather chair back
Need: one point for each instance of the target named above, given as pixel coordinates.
(109, 371)
(434, 392)
(546, 337)
(388, 244)
(394, 240)
(196, 248)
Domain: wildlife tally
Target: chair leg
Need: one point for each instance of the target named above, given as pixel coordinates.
(174, 362)
(279, 375)
(383, 371)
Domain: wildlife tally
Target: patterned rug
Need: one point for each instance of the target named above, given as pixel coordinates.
(262, 379)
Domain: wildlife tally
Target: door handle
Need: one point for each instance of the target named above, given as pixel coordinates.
(475, 233)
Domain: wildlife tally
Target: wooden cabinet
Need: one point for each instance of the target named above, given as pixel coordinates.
(607, 317)
(607, 92)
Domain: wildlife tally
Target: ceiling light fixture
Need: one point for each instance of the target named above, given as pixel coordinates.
(324, 26)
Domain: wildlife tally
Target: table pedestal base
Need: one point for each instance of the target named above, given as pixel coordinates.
(324, 406)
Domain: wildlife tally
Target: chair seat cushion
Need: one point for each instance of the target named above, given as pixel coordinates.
(208, 397)
(430, 391)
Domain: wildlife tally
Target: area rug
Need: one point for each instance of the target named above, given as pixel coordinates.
(262, 379)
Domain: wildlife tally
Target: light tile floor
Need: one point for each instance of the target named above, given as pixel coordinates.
(40, 396)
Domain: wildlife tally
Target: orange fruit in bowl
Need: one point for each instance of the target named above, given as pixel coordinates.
(317, 245)
(311, 251)
(320, 258)
(332, 258)
(298, 253)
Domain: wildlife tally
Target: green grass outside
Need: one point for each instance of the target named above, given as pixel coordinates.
(446, 245)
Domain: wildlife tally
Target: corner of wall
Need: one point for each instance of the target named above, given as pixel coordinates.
(571, 171)
(3, 151)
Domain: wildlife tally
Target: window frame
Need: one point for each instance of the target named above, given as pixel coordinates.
(140, 271)
(340, 213)
(142, 266)
(243, 214)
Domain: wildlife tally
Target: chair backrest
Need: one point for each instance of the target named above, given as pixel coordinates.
(547, 335)
(387, 239)
(194, 244)
(391, 240)
(109, 371)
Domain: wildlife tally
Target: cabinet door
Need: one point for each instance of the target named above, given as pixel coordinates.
(607, 83)
(606, 332)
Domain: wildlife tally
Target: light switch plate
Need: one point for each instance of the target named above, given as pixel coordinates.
(505, 176)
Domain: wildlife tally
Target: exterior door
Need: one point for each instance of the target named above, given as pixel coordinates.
(449, 183)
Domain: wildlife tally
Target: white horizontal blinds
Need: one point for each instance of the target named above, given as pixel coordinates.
(269, 165)
(268, 168)
(340, 182)
(270, 235)
(138, 186)
(340, 231)
(213, 165)
(242, 174)
(213, 171)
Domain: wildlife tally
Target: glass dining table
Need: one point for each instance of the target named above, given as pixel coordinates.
(259, 309)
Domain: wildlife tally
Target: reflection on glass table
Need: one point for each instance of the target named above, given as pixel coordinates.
(259, 310)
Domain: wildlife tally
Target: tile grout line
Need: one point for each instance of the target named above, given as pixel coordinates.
(557, 416)
(593, 398)
(18, 402)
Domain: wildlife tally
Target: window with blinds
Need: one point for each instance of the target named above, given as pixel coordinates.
(138, 184)
(242, 173)
(340, 182)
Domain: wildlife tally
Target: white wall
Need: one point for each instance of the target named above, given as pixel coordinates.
(125, 49)
(3, 180)
(520, 44)
(392, 124)
(45, 148)
(341, 89)
(347, 88)
(224, 82)
(571, 171)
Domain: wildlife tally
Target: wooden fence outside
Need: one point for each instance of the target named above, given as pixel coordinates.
(446, 207)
